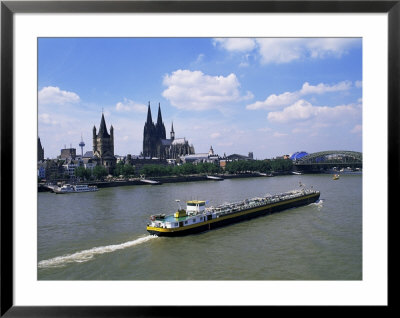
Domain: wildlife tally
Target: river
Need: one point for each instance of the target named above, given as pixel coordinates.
(102, 235)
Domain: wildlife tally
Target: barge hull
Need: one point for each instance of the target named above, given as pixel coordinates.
(230, 219)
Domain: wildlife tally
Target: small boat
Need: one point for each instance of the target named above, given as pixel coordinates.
(265, 174)
(297, 172)
(335, 176)
(85, 188)
(150, 181)
(215, 178)
(68, 188)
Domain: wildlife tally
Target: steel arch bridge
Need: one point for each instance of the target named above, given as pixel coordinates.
(329, 159)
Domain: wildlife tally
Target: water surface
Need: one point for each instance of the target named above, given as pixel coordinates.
(102, 235)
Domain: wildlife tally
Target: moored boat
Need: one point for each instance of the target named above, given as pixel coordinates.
(336, 177)
(68, 188)
(199, 218)
(297, 172)
(85, 188)
(214, 178)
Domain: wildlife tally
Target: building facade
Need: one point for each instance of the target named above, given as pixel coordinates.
(68, 153)
(103, 146)
(155, 143)
(209, 157)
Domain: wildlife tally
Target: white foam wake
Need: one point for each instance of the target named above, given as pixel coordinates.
(319, 204)
(86, 255)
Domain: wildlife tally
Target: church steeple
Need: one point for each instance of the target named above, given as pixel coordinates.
(103, 128)
(149, 136)
(159, 117)
(172, 133)
(149, 119)
(103, 145)
(160, 128)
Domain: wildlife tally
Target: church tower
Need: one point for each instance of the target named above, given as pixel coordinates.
(94, 139)
(160, 128)
(155, 143)
(149, 136)
(103, 145)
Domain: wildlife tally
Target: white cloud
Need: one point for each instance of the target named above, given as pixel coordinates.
(264, 129)
(358, 84)
(54, 95)
(323, 47)
(274, 101)
(323, 88)
(245, 61)
(277, 101)
(194, 90)
(300, 110)
(215, 135)
(278, 134)
(235, 44)
(129, 105)
(279, 50)
(303, 110)
(286, 50)
(356, 129)
(47, 119)
(200, 58)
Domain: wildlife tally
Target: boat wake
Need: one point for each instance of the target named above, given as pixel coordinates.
(86, 255)
(319, 204)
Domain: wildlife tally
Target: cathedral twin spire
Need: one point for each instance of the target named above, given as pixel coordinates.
(155, 143)
(159, 126)
(149, 119)
(153, 134)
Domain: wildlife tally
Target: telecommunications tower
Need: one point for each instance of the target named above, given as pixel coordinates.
(81, 144)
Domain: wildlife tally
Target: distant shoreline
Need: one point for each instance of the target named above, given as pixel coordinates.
(174, 179)
(170, 179)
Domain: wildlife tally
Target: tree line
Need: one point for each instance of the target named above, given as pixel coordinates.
(154, 170)
(265, 166)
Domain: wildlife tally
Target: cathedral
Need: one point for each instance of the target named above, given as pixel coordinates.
(103, 145)
(155, 143)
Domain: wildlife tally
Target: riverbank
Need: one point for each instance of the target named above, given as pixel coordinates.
(170, 179)
(189, 178)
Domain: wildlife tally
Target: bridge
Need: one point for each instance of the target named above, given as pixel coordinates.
(326, 160)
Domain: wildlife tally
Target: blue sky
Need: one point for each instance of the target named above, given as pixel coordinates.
(271, 96)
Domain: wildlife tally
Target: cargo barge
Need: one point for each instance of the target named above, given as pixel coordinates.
(199, 218)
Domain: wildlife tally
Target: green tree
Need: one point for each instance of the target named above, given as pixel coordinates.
(118, 169)
(128, 170)
(281, 164)
(99, 172)
(188, 168)
(83, 173)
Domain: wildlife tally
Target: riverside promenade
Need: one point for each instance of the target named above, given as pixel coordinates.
(166, 179)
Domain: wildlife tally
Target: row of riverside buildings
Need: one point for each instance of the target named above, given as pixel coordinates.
(156, 149)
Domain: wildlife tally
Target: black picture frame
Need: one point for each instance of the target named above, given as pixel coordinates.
(8, 8)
